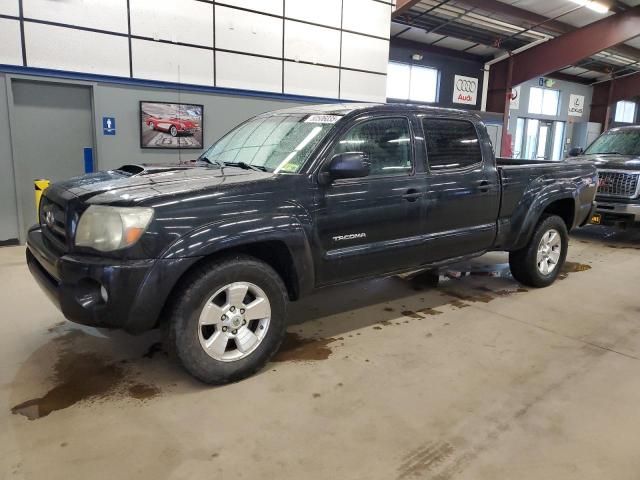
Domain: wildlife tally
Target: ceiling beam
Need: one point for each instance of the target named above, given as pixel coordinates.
(510, 13)
(403, 6)
(559, 52)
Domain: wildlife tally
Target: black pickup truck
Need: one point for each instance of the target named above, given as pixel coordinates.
(288, 202)
(616, 154)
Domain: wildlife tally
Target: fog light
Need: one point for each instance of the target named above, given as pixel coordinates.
(104, 294)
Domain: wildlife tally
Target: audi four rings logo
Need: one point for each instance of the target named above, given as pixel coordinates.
(466, 86)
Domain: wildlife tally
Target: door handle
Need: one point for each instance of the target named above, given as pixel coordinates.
(412, 195)
(484, 186)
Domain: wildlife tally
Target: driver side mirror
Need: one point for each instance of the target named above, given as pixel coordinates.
(576, 151)
(346, 165)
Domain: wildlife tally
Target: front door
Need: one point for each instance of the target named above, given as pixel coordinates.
(367, 226)
(53, 124)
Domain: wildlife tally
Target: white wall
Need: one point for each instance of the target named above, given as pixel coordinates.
(322, 48)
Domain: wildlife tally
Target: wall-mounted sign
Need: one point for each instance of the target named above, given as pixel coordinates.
(514, 102)
(576, 105)
(108, 125)
(170, 125)
(546, 82)
(465, 90)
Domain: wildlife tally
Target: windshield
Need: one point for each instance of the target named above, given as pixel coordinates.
(621, 142)
(273, 143)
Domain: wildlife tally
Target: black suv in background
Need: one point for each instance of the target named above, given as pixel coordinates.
(616, 154)
(288, 202)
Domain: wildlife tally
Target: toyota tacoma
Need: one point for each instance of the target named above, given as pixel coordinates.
(288, 202)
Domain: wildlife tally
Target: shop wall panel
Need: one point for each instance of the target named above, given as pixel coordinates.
(311, 80)
(9, 7)
(311, 44)
(186, 21)
(10, 44)
(171, 63)
(76, 50)
(248, 32)
(273, 7)
(325, 12)
(248, 73)
(366, 16)
(99, 14)
(364, 53)
(362, 86)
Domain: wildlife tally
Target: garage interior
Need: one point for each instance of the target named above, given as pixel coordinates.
(468, 375)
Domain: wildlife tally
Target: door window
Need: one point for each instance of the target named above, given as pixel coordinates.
(386, 141)
(451, 144)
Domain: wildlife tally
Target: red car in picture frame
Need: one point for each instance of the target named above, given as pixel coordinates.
(173, 126)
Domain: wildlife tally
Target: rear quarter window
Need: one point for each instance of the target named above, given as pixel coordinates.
(451, 144)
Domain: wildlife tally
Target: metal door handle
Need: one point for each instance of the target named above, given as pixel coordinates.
(412, 195)
(484, 186)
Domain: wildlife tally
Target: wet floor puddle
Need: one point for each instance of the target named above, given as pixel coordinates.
(83, 378)
(296, 348)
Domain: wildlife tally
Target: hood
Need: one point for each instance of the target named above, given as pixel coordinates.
(131, 184)
(613, 162)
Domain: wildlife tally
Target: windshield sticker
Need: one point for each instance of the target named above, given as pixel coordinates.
(322, 119)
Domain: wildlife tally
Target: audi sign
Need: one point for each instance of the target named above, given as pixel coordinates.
(465, 90)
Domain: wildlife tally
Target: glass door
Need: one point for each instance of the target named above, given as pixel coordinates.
(539, 139)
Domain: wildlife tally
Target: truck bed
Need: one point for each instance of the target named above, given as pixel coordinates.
(523, 179)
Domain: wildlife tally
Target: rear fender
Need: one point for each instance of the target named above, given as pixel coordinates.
(534, 202)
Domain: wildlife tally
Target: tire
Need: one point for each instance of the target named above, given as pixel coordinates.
(524, 263)
(197, 304)
(173, 131)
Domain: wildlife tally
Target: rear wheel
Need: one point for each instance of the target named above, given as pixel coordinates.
(229, 319)
(538, 264)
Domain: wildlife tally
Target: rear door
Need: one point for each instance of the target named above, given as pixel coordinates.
(463, 191)
(370, 225)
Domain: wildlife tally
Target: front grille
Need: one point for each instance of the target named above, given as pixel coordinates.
(53, 220)
(618, 184)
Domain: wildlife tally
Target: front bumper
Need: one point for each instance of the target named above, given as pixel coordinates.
(614, 212)
(103, 292)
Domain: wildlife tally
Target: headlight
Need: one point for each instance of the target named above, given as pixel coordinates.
(107, 228)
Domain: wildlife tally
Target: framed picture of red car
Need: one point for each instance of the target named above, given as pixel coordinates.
(170, 125)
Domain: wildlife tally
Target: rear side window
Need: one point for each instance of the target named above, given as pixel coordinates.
(387, 142)
(451, 144)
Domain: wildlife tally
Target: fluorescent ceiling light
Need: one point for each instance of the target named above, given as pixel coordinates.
(592, 5)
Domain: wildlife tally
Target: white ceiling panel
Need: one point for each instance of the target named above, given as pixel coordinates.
(419, 35)
(397, 28)
(483, 50)
(594, 75)
(574, 70)
(454, 43)
(635, 42)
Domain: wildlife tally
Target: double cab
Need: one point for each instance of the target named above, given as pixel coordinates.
(288, 202)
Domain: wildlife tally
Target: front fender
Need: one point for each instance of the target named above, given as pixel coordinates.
(227, 234)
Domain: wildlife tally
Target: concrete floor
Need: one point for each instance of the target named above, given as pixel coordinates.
(386, 379)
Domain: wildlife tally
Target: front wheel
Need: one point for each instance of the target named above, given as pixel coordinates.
(538, 264)
(173, 131)
(229, 319)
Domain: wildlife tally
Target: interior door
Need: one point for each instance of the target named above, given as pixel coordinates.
(53, 124)
(369, 225)
(463, 191)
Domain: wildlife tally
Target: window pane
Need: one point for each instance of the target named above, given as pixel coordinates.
(550, 102)
(386, 141)
(625, 111)
(424, 84)
(517, 153)
(451, 144)
(535, 100)
(558, 140)
(398, 81)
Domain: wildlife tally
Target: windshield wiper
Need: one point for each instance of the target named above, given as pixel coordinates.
(247, 166)
(217, 161)
(609, 153)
